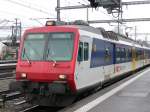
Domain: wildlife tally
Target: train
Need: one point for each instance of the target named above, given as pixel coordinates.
(59, 61)
(7, 51)
(3, 50)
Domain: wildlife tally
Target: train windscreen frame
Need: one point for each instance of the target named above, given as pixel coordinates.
(53, 46)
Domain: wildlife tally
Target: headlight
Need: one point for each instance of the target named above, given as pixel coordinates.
(23, 75)
(62, 77)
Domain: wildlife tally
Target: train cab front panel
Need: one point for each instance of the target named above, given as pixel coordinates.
(47, 56)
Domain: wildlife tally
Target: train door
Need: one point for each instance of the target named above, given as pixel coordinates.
(133, 58)
(109, 60)
(82, 71)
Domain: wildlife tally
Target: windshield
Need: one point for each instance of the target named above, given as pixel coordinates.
(48, 47)
(34, 47)
(60, 46)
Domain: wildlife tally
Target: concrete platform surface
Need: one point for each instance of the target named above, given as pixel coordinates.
(129, 95)
(133, 98)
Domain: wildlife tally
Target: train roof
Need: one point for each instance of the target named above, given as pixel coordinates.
(107, 35)
(113, 36)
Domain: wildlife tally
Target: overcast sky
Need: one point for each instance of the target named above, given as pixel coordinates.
(28, 11)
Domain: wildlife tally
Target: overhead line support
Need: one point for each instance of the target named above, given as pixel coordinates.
(120, 20)
(58, 11)
(88, 6)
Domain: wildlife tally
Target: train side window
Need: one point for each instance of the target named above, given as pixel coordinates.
(126, 54)
(130, 54)
(86, 51)
(117, 54)
(80, 52)
(136, 54)
(107, 55)
(123, 54)
(107, 52)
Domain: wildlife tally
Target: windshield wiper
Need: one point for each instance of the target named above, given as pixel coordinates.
(54, 64)
(28, 60)
(51, 59)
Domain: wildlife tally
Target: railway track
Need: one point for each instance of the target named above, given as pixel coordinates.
(7, 61)
(21, 105)
(14, 101)
(29, 109)
(7, 69)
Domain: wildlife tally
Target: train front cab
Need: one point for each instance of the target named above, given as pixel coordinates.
(49, 80)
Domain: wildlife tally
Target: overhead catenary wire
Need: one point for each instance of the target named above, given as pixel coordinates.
(31, 4)
(27, 6)
(112, 17)
(10, 13)
(4, 12)
(37, 20)
(3, 21)
(7, 27)
(6, 22)
(70, 3)
(85, 1)
(65, 16)
(43, 8)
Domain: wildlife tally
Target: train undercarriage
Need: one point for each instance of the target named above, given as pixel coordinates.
(44, 94)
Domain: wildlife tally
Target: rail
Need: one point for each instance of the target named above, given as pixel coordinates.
(7, 68)
(7, 61)
(14, 101)
(29, 108)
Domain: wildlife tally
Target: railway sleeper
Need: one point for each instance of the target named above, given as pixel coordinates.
(17, 105)
(9, 96)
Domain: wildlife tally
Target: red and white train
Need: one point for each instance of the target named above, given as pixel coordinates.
(58, 62)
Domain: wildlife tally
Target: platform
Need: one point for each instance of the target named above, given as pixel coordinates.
(130, 95)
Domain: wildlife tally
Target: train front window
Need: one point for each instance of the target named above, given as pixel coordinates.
(60, 47)
(34, 45)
